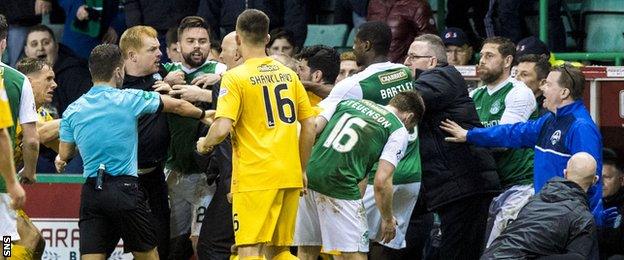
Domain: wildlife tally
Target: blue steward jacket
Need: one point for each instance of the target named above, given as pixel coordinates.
(555, 138)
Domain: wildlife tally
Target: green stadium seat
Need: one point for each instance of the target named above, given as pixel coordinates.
(331, 35)
(603, 24)
(603, 6)
(351, 38)
(604, 32)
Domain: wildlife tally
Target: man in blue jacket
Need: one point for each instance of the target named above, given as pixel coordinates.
(567, 129)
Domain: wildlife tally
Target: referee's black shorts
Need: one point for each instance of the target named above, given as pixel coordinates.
(120, 210)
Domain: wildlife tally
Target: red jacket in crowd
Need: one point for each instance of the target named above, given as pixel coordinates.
(406, 18)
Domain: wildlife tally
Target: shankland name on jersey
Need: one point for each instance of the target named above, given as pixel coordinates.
(270, 78)
(371, 111)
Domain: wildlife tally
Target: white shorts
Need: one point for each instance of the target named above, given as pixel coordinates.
(505, 208)
(8, 218)
(403, 202)
(189, 196)
(336, 225)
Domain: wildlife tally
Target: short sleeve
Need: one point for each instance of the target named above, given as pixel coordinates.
(220, 68)
(345, 89)
(329, 108)
(519, 104)
(229, 98)
(27, 110)
(395, 147)
(66, 132)
(142, 102)
(304, 109)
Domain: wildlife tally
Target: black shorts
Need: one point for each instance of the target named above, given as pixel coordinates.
(120, 210)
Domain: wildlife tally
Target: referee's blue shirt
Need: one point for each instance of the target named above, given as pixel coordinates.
(103, 125)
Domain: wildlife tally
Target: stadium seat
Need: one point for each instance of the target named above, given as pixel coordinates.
(331, 35)
(603, 25)
(351, 38)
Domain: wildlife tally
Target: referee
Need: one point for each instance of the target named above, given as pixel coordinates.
(102, 124)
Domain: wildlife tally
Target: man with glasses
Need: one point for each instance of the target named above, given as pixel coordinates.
(458, 50)
(566, 130)
(458, 181)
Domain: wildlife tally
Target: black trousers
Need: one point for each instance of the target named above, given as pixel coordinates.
(216, 236)
(155, 188)
(463, 225)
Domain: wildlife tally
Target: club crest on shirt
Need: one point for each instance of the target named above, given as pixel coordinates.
(496, 106)
(222, 92)
(555, 137)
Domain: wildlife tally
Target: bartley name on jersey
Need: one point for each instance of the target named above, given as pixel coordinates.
(391, 77)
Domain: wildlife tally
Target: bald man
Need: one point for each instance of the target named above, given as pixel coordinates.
(217, 235)
(555, 222)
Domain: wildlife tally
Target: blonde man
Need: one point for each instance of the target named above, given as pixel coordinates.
(141, 52)
(262, 100)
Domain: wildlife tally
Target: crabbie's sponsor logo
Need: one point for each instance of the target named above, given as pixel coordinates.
(392, 76)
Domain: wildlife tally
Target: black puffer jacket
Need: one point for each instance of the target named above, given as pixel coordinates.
(72, 76)
(556, 221)
(451, 171)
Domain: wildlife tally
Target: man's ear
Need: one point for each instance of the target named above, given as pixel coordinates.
(317, 76)
(367, 45)
(267, 39)
(238, 40)
(508, 61)
(565, 174)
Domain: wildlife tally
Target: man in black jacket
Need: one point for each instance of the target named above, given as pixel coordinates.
(140, 48)
(610, 228)
(458, 181)
(217, 231)
(555, 223)
(71, 73)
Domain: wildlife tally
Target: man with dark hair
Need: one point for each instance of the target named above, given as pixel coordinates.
(173, 51)
(112, 204)
(348, 66)
(356, 137)
(193, 78)
(379, 81)
(610, 227)
(458, 181)
(318, 64)
(505, 100)
(407, 18)
(282, 42)
(71, 72)
(533, 69)
(260, 100)
(565, 130)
